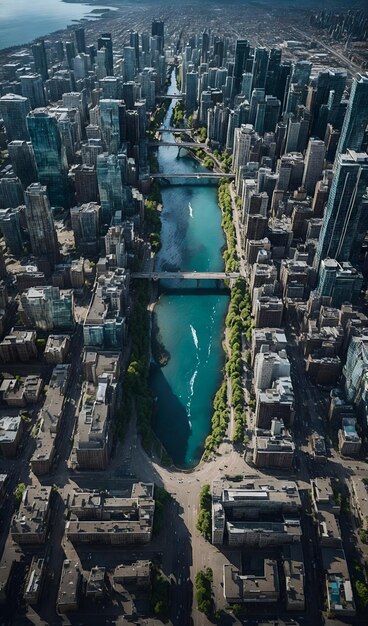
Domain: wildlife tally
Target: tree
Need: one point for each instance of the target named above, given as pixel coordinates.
(19, 491)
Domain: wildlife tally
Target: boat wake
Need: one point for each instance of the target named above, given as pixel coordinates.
(190, 210)
(194, 335)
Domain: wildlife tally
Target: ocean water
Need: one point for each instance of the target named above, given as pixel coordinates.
(21, 21)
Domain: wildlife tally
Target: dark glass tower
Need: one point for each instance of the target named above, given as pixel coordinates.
(356, 116)
(346, 217)
(158, 29)
(241, 55)
(80, 39)
(105, 41)
(260, 66)
(40, 59)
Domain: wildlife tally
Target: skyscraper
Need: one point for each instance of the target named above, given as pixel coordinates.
(11, 192)
(10, 220)
(191, 88)
(158, 29)
(23, 161)
(260, 66)
(356, 116)
(14, 110)
(112, 115)
(241, 55)
(109, 178)
(40, 222)
(80, 39)
(314, 159)
(50, 155)
(40, 59)
(346, 215)
(134, 42)
(105, 41)
(129, 63)
(32, 88)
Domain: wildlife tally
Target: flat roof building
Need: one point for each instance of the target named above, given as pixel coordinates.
(30, 523)
(34, 582)
(251, 588)
(359, 490)
(69, 587)
(97, 518)
(50, 417)
(11, 428)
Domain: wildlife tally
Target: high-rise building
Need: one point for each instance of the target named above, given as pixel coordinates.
(32, 88)
(86, 226)
(314, 160)
(260, 66)
(356, 116)
(23, 161)
(85, 180)
(40, 222)
(205, 46)
(11, 192)
(346, 215)
(158, 30)
(80, 39)
(339, 281)
(134, 43)
(14, 110)
(10, 226)
(109, 178)
(48, 308)
(191, 88)
(70, 53)
(242, 50)
(129, 64)
(112, 119)
(50, 155)
(40, 59)
(105, 41)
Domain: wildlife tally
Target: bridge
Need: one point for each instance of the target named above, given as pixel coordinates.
(197, 276)
(171, 96)
(181, 144)
(211, 175)
(172, 129)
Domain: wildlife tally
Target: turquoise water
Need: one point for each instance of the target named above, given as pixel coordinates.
(191, 326)
(21, 21)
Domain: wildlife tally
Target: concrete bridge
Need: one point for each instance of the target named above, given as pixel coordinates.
(172, 129)
(197, 276)
(181, 144)
(208, 175)
(171, 96)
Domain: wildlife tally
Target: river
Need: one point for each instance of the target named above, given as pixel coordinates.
(190, 326)
(21, 21)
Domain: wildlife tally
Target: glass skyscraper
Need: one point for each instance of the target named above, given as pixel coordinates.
(50, 156)
(40, 222)
(346, 215)
(356, 117)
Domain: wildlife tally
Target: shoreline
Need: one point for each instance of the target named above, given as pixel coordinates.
(91, 18)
